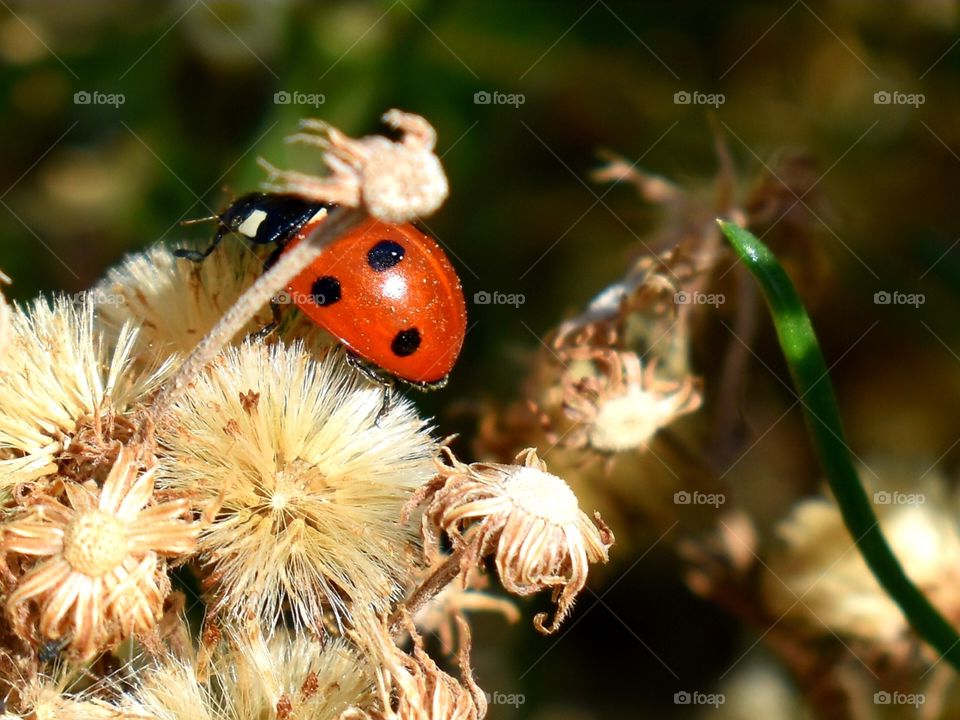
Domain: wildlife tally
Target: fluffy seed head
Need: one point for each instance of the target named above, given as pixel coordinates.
(56, 697)
(66, 392)
(309, 484)
(285, 678)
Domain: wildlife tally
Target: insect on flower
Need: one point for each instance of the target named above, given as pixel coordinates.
(387, 292)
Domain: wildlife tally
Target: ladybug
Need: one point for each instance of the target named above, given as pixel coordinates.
(386, 292)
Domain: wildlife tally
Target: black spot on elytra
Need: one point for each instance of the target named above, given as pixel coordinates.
(405, 342)
(325, 290)
(384, 255)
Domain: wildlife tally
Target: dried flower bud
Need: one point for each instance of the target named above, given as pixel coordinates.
(393, 181)
(528, 517)
(101, 578)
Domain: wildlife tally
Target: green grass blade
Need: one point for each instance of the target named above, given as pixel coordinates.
(813, 386)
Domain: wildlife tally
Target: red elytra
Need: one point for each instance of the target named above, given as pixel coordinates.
(390, 295)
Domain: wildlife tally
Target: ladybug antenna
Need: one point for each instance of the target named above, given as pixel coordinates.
(197, 221)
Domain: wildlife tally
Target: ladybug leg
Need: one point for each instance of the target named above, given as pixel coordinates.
(268, 329)
(200, 255)
(274, 256)
(386, 404)
(371, 374)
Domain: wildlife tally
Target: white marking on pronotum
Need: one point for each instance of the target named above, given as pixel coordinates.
(252, 223)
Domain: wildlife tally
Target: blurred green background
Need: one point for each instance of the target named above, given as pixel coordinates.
(120, 119)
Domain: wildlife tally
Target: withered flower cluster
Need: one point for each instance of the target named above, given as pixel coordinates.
(312, 514)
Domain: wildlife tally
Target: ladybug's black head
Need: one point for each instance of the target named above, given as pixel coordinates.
(269, 217)
(240, 209)
(261, 218)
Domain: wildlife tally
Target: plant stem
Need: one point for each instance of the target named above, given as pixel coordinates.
(429, 589)
(815, 392)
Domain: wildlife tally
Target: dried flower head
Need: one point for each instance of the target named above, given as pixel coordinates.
(176, 302)
(309, 481)
(66, 393)
(819, 581)
(529, 518)
(285, 678)
(393, 181)
(623, 404)
(100, 576)
(412, 687)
